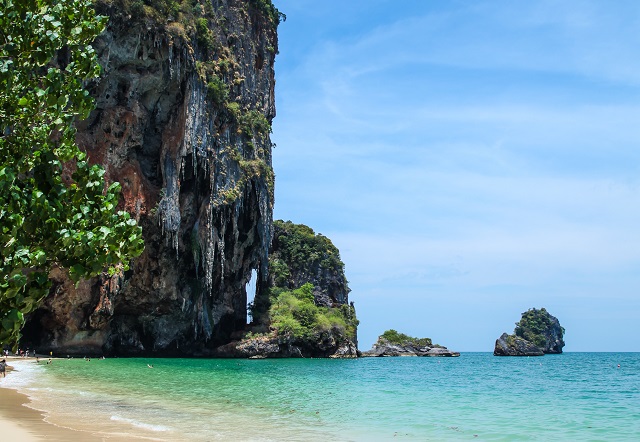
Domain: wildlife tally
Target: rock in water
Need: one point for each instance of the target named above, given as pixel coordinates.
(440, 351)
(536, 334)
(511, 345)
(392, 343)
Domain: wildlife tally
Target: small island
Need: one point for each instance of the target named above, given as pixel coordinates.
(393, 343)
(536, 334)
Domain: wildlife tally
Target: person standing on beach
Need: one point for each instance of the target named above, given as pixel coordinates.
(3, 368)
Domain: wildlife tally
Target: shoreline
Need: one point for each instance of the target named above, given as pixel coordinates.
(20, 421)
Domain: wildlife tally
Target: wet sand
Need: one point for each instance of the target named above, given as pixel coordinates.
(20, 422)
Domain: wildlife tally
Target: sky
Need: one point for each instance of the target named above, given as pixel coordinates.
(470, 160)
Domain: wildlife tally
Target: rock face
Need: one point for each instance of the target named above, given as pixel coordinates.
(536, 334)
(392, 343)
(182, 121)
(272, 346)
(510, 345)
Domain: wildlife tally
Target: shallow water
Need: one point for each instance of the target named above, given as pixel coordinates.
(574, 396)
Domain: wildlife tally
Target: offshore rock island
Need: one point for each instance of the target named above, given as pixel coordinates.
(392, 343)
(536, 334)
(183, 115)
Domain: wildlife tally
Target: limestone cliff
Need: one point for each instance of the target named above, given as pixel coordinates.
(182, 121)
(303, 309)
(536, 334)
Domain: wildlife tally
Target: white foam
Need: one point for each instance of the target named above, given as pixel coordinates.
(28, 370)
(139, 424)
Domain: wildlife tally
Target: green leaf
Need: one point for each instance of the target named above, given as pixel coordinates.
(77, 272)
(44, 218)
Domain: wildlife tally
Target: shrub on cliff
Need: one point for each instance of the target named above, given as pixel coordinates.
(55, 208)
(269, 10)
(307, 295)
(299, 245)
(294, 314)
(394, 337)
(298, 255)
(534, 326)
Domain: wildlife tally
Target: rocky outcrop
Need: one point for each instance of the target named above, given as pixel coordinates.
(536, 334)
(182, 121)
(273, 346)
(298, 256)
(304, 266)
(392, 343)
(441, 351)
(510, 345)
(386, 349)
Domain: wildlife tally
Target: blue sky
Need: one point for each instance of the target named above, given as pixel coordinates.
(470, 160)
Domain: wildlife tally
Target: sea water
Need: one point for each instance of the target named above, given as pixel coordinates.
(573, 396)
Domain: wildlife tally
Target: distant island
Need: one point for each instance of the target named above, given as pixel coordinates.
(393, 343)
(536, 334)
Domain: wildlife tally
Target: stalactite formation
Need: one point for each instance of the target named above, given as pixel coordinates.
(182, 121)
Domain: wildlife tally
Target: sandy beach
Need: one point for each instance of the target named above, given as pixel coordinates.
(14, 426)
(20, 422)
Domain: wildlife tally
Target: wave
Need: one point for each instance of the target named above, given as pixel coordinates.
(29, 372)
(139, 424)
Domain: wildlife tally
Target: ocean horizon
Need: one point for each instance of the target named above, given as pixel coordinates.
(573, 396)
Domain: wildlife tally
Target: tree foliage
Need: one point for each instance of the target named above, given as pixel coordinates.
(294, 314)
(394, 337)
(267, 8)
(535, 326)
(55, 208)
(304, 250)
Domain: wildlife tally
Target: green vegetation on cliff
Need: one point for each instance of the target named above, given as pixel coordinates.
(305, 272)
(183, 11)
(269, 10)
(394, 337)
(537, 333)
(534, 326)
(300, 249)
(55, 208)
(294, 314)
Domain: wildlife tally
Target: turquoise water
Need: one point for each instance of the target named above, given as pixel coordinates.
(574, 396)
